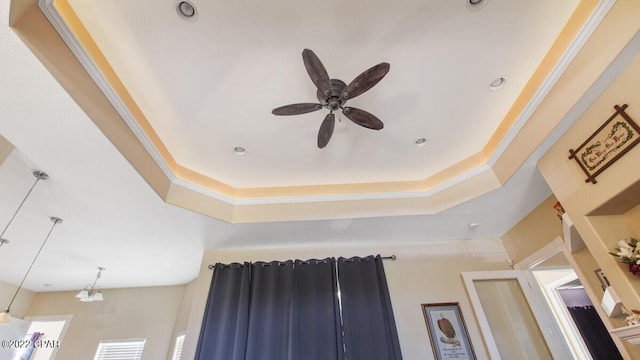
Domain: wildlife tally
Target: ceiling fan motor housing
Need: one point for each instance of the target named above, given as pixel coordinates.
(333, 102)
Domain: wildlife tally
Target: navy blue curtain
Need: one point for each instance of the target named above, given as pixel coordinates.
(315, 324)
(269, 310)
(291, 311)
(223, 334)
(369, 326)
(594, 333)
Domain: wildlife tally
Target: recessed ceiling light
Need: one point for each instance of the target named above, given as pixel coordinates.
(47, 285)
(186, 9)
(497, 84)
(473, 225)
(475, 5)
(421, 142)
(239, 150)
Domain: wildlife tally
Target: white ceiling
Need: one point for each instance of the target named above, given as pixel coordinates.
(210, 85)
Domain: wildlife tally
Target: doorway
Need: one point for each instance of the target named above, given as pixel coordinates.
(49, 332)
(546, 285)
(513, 316)
(561, 289)
(579, 322)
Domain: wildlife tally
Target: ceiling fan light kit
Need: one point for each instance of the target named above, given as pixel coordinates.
(333, 94)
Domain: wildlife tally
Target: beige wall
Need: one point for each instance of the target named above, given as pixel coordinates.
(18, 328)
(5, 149)
(536, 230)
(125, 313)
(20, 304)
(426, 272)
(633, 219)
(182, 317)
(606, 211)
(581, 199)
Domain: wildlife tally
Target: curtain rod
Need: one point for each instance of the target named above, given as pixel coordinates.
(391, 257)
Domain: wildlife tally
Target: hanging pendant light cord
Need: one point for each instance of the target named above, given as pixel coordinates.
(39, 176)
(56, 221)
(97, 277)
(93, 287)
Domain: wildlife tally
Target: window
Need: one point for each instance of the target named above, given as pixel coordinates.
(177, 349)
(124, 349)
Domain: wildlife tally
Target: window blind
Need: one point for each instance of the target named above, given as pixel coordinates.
(177, 350)
(127, 349)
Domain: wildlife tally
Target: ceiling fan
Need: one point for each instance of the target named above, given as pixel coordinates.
(333, 94)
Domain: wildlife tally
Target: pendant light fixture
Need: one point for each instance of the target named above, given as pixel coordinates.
(5, 315)
(39, 175)
(92, 293)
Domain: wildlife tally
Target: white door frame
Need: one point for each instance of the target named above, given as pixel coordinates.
(572, 335)
(539, 308)
(66, 318)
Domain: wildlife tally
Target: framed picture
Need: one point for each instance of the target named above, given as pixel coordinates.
(607, 144)
(447, 331)
(602, 278)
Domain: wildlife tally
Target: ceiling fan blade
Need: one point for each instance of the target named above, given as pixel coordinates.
(316, 71)
(296, 109)
(326, 130)
(363, 118)
(365, 81)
